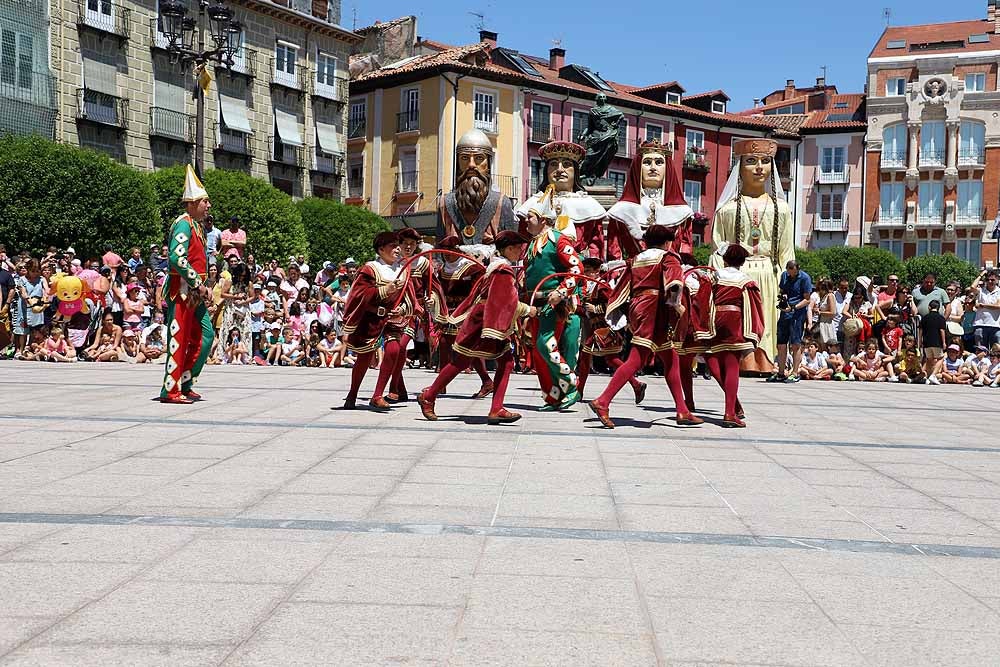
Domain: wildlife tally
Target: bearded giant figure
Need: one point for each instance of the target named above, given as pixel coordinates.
(474, 211)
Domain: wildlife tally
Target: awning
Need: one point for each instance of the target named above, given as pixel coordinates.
(234, 114)
(288, 128)
(329, 139)
(100, 76)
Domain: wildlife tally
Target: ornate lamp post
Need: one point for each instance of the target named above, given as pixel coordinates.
(181, 32)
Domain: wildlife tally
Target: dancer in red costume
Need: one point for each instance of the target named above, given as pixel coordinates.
(419, 276)
(652, 289)
(375, 311)
(598, 339)
(489, 319)
(734, 327)
(456, 279)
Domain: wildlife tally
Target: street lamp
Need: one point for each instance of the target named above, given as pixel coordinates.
(181, 30)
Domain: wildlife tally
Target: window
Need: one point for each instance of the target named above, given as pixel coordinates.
(932, 143)
(718, 106)
(285, 56)
(623, 137)
(654, 132)
(695, 139)
(100, 13)
(895, 246)
(894, 146)
(16, 60)
(892, 203)
(970, 201)
(673, 98)
(692, 195)
(928, 247)
(895, 86)
(931, 197)
(356, 120)
(485, 111)
(970, 250)
(971, 143)
(326, 69)
(840, 105)
(356, 178)
(537, 174)
(618, 178)
(580, 120)
(975, 83)
(541, 123)
(831, 206)
(791, 108)
(409, 114)
(833, 159)
(407, 171)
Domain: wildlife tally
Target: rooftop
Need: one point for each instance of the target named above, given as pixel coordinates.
(937, 38)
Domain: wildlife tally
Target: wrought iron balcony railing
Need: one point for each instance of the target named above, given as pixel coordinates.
(283, 154)
(931, 158)
(172, 124)
(509, 186)
(835, 174)
(228, 141)
(406, 181)
(930, 215)
(408, 121)
(357, 129)
(295, 80)
(891, 217)
(832, 224)
(101, 108)
(893, 159)
(105, 16)
(544, 132)
(697, 159)
(971, 157)
(969, 215)
(326, 163)
(355, 189)
(335, 90)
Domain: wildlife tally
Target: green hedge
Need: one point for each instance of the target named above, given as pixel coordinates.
(58, 195)
(947, 267)
(337, 231)
(269, 216)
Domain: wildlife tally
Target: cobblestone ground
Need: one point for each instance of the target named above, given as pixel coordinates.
(849, 525)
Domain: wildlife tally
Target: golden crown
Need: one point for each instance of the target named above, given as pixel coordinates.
(654, 146)
(562, 149)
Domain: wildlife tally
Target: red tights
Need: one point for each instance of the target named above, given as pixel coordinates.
(390, 357)
(505, 365)
(638, 357)
(397, 385)
(725, 368)
(585, 363)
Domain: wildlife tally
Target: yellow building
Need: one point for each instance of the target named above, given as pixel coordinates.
(405, 118)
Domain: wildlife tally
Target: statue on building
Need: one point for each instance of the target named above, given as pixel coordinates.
(600, 138)
(474, 211)
(753, 212)
(579, 216)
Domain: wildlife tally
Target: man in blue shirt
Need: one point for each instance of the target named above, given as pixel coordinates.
(213, 240)
(794, 290)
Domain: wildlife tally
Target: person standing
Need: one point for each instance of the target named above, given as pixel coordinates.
(233, 238)
(932, 339)
(926, 292)
(189, 326)
(986, 324)
(794, 290)
(213, 240)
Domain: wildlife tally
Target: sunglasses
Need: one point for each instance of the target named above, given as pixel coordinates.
(893, 280)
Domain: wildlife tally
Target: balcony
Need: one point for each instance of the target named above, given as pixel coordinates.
(972, 157)
(489, 126)
(326, 163)
(234, 143)
(294, 81)
(507, 185)
(244, 64)
(105, 17)
(930, 216)
(157, 39)
(836, 175)
(893, 160)
(355, 189)
(543, 133)
(838, 224)
(891, 218)
(966, 215)
(332, 91)
(932, 159)
(408, 121)
(283, 154)
(622, 147)
(101, 108)
(171, 124)
(696, 159)
(577, 135)
(406, 182)
(357, 129)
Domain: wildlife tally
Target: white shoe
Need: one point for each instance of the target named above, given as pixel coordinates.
(933, 379)
(977, 383)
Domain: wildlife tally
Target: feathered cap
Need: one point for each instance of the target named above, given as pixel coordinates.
(193, 189)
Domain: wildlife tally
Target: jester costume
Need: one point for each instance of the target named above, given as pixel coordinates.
(556, 330)
(189, 327)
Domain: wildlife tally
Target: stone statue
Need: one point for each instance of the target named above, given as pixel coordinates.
(600, 139)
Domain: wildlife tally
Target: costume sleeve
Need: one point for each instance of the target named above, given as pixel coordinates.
(673, 279)
(684, 240)
(596, 240)
(502, 307)
(786, 242)
(753, 312)
(570, 262)
(723, 232)
(180, 245)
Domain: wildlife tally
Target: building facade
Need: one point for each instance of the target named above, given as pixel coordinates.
(28, 103)
(933, 144)
(278, 113)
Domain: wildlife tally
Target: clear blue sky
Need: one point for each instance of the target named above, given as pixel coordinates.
(746, 48)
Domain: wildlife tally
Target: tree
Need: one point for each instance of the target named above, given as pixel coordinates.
(269, 216)
(946, 267)
(337, 231)
(810, 262)
(57, 195)
(853, 262)
(702, 253)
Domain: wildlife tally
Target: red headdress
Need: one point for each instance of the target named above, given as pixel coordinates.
(673, 210)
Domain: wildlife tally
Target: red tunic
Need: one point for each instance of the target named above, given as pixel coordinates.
(599, 340)
(367, 311)
(489, 316)
(731, 315)
(651, 285)
(456, 280)
(419, 279)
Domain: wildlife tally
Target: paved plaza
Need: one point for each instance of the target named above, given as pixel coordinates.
(849, 525)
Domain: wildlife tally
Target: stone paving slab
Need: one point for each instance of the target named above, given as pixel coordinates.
(261, 528)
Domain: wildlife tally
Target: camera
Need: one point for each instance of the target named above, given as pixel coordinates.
(783, 302)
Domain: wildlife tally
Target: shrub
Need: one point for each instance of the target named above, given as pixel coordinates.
(337, 231)
(810, 262)
(59, 195)
(947, 267)
(854, 262)
(270, 218)
(702, 253)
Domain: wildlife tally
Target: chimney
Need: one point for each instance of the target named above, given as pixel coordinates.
(557, 58)
(756, 102)
(489, 37)
(789, 89)
(821, 82)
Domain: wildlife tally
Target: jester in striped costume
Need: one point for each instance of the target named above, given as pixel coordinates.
(189, 327)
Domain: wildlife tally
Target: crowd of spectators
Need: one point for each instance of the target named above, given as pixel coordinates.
(891, 332)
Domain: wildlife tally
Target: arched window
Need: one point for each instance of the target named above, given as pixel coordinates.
(894, 146)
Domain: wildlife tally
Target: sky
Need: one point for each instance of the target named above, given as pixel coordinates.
(747, 49)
